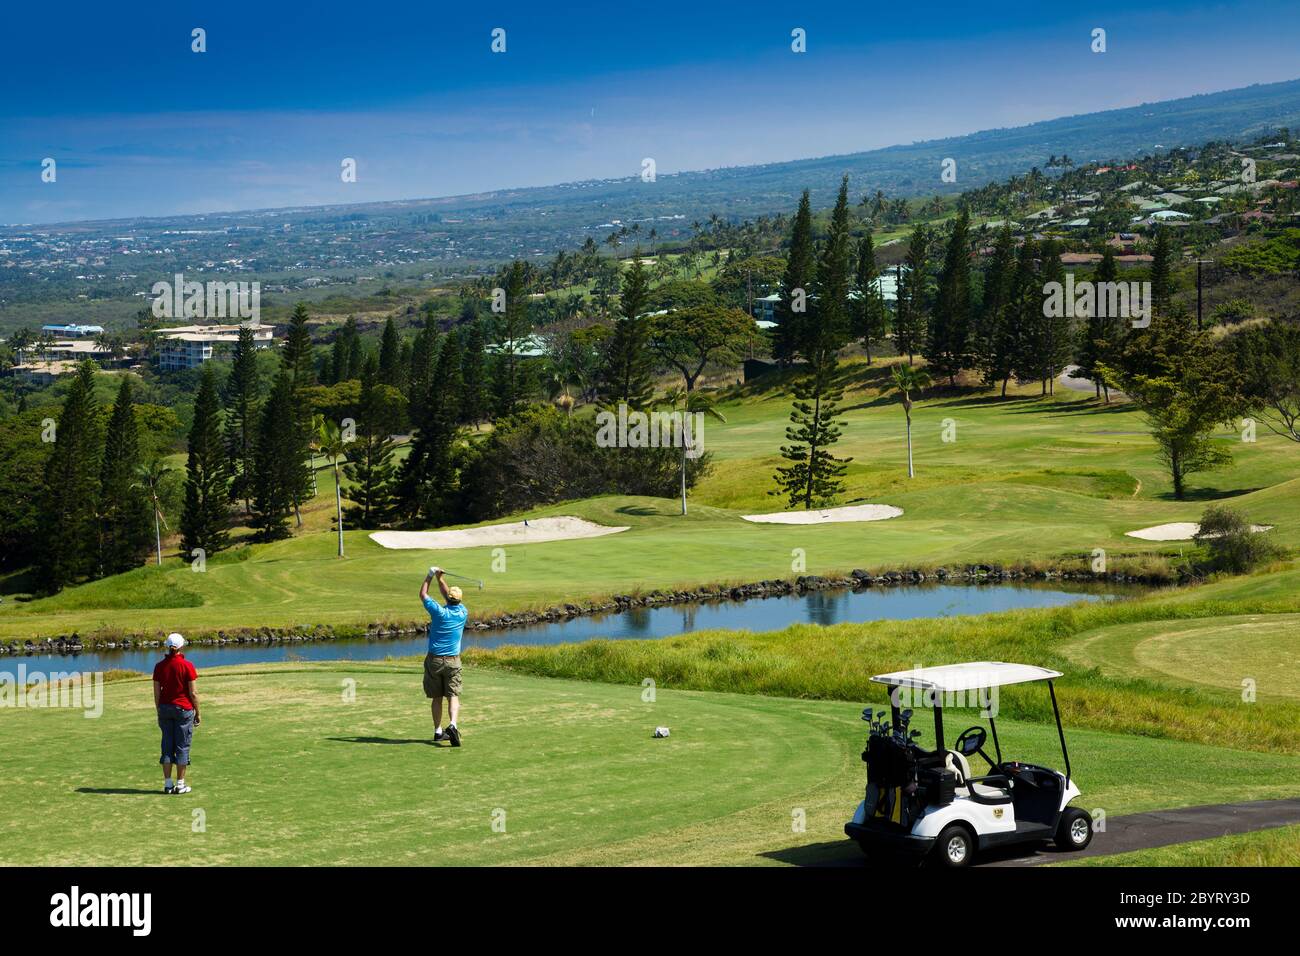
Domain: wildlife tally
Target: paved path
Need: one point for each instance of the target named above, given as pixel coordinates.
(1136, 831)
(1146, 831)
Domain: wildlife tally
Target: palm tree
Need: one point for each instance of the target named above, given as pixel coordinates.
(906, 380)
(689, 403)
(327, 438)
(150, 478)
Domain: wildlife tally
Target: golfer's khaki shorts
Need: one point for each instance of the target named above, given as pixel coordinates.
(441, 676)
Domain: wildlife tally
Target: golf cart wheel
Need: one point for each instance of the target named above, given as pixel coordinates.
(955, 847)
(1074, 832)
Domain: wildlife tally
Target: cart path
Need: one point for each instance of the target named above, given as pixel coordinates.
(1135, 831)
(1146, 831)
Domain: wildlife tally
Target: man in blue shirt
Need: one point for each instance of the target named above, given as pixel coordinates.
(442, 662)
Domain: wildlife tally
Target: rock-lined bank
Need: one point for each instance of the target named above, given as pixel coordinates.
(857, 580)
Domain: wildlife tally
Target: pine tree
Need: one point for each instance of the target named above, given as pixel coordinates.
(947, 340)
(814, 476)
(911, 308)
(625, 371)
(476, 396)
(1058, 330)
(124, 517)
(370, 470)
(996, 327)
(297, 360)
(241, 417)
(204, 517)
(423, 355)
(355, 355)
(1091, 351)
(390, 347)
(1030, 334)
(870, 317)
(512, 327)
(828, 330)
(71, 494)
(796, 286)
(279, 463)
(1162, 254)
(426, 483)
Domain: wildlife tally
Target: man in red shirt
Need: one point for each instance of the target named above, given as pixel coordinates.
(178, 711)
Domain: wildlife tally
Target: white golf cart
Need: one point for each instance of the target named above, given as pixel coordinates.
(930, 801)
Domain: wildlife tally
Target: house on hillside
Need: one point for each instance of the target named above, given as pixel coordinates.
(189, 346)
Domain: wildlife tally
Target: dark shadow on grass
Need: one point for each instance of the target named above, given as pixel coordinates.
(637, 510)
(1206, 494)
(120, 791)
(384, 740)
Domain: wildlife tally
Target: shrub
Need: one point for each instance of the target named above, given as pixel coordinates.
(1230, 544)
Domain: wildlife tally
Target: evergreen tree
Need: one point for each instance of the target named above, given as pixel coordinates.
(355, 354)
(828, 330)
(995, 330)
(796, 286)
(296, 359)
(279, 462)
(390, 347)
(913, 292)
(1162, 254)
(423, 355)
(625, 371)
(476, 396)
(1027, 312)
(370, 470)
(426, 483)
(124, 519)
(241, 418)
(204, 517)
(70, 497)
(870, 317)
(947, 340)
(1099, 328)
(512, 327)
(814, 476)
(1058, 329)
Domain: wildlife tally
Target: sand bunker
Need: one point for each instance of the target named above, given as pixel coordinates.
(827, 515)
(516, 532)
(1179, 531)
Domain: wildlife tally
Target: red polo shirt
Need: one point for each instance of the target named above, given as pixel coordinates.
(173, 672)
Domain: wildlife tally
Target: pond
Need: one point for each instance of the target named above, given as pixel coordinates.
(754, 614)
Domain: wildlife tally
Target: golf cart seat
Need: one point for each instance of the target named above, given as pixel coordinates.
(960, 766)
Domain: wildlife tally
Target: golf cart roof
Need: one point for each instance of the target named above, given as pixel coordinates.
(972, 675)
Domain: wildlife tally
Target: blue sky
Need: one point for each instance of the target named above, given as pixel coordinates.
(140, 125)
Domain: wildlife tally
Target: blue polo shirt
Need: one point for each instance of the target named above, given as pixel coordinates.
(446, 625)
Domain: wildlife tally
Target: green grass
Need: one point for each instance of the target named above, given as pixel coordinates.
(1277, 847)
(1028, 480)
(1217, 652)
(287, 772)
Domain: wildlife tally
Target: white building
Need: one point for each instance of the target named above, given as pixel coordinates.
(189, 346)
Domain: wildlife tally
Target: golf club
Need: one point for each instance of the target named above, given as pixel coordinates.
(452, 574)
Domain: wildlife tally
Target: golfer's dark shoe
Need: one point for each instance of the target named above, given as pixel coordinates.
(453, 735)
(439, 736)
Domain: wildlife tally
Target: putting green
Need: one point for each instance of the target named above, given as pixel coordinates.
(290, 771)
(1219, 652)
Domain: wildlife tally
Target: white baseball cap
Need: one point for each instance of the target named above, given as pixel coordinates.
(175, 640)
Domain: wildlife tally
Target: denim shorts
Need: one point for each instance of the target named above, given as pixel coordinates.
(177, 725)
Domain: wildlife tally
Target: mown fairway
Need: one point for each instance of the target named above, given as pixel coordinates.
(1025, 480)
(287, 772)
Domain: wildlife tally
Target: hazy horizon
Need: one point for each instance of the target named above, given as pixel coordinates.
(140, 126)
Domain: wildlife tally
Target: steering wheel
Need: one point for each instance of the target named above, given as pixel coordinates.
(971, 741)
